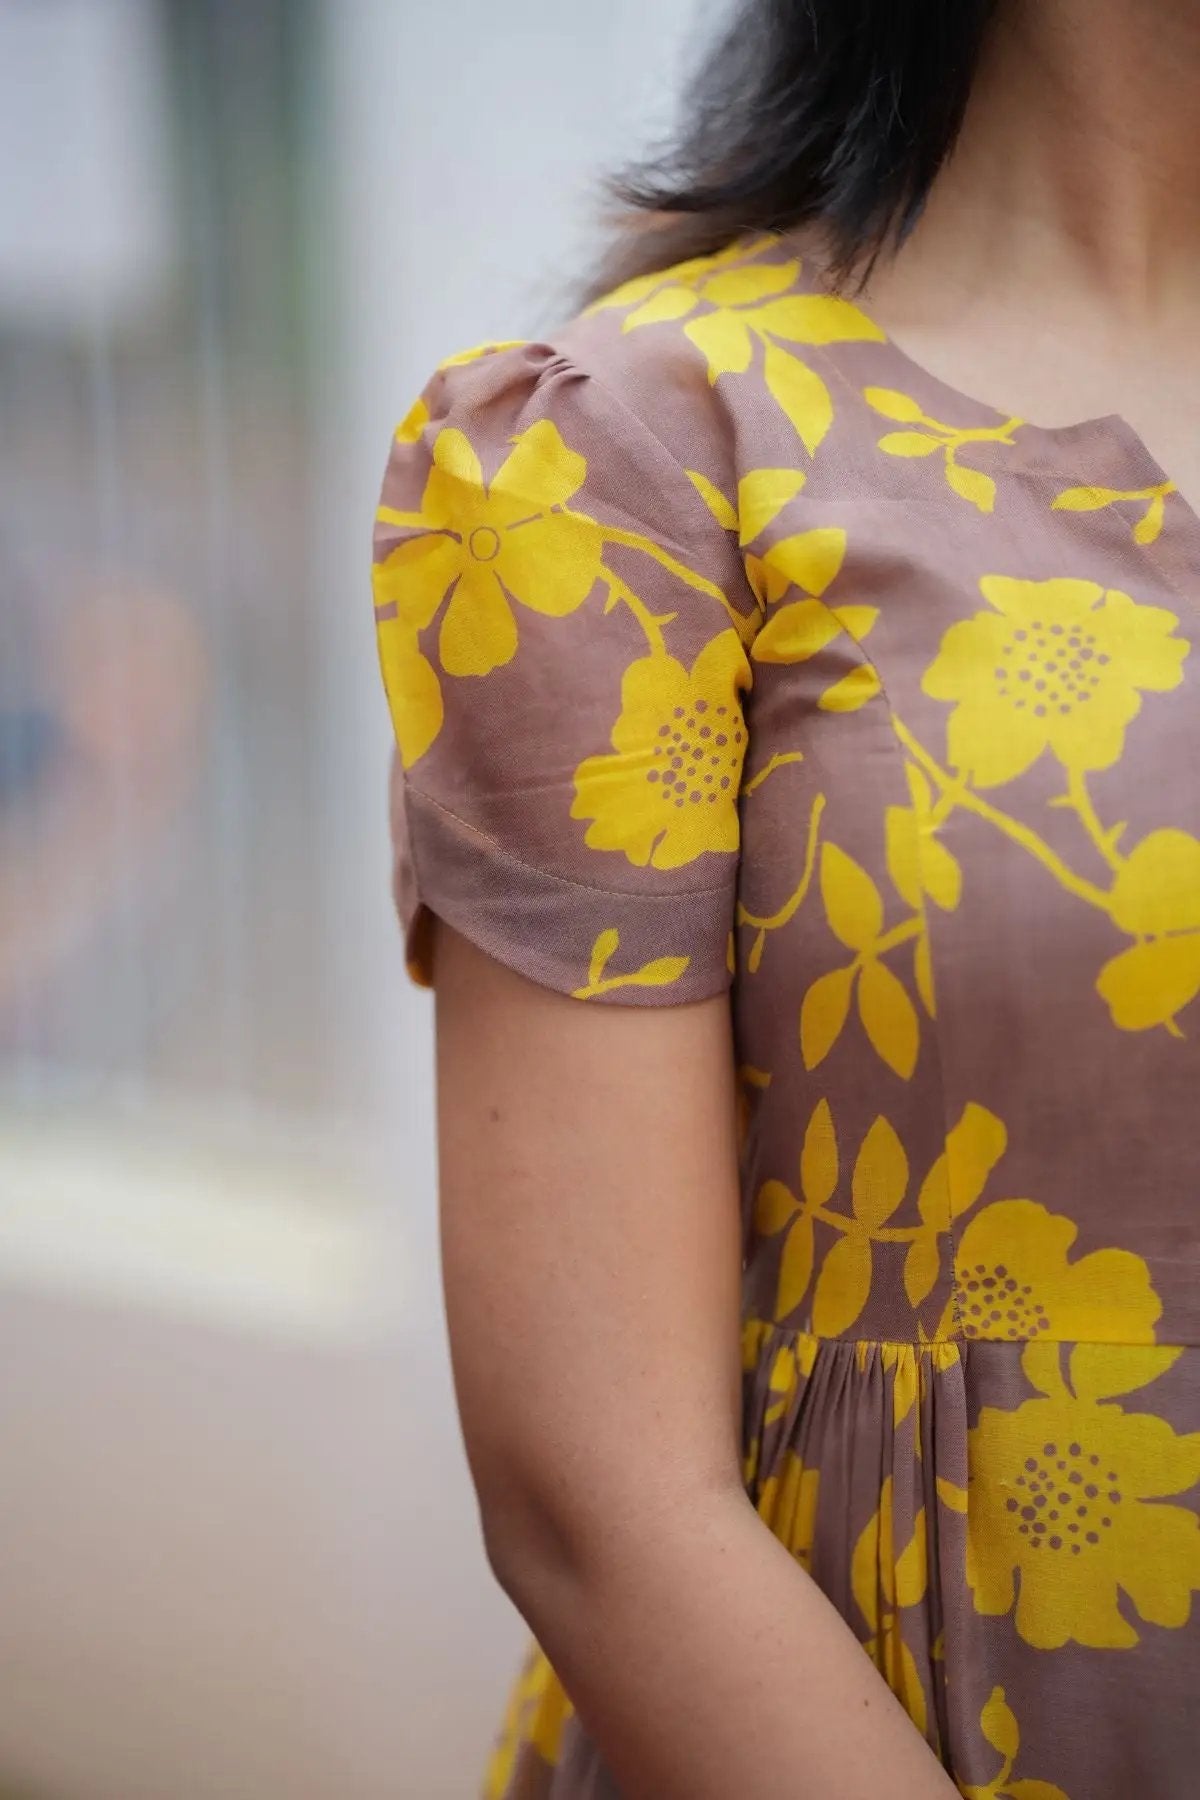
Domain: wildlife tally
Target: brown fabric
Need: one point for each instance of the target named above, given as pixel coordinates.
(961, 928)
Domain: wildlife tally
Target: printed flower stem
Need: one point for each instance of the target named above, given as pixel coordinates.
(790, 907)
(617, 590)
(777, 761)
(955, 789)
(745, 625)
(879, 1234)
(1080, 801)
(899, 934)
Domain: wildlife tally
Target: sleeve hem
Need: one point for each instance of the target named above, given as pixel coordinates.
(669, 949)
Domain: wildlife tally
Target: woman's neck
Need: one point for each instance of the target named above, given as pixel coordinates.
(1080, 157)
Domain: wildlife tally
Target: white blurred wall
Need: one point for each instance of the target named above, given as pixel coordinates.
(238, 1552)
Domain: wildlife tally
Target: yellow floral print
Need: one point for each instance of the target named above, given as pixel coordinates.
(1153, 501)
(787, 1504)
(659, 973)
(538, 1709)
(1067, 1510)
(879, 1185)
(413, 691)
(1156, 898)
(811, 561)
(883, 1582)
(1000, 1729)
(932, 437)
(920, 866)
(668, 792)
(486, 545)
(1014, 1280)
(1060, 666)
(1057, 665)
(733, 303)
(855, 913)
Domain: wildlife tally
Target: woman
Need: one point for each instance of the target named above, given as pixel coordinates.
(831, 732)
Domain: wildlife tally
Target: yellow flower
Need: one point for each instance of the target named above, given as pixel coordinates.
(787, 1504)
(493, 544)
(413, 691)
(730, 301)
(1066, 1511)
(1156, 897)
(1014, 1281)
(670, 790)
(1058, 665)
(726, 306)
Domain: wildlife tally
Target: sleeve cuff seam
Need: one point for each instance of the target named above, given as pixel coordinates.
(498, 849)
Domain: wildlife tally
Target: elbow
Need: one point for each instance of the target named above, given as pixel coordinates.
(530, 1549)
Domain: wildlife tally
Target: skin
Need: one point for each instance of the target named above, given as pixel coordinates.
(1056, 272)
(592, 1267)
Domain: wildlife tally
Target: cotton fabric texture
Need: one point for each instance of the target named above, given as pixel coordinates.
(728, 649)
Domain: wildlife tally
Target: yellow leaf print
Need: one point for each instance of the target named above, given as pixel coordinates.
(852, 691)
(800, 630)
(1156, 895)
(972, 485)
(1057, 665)
(998, 1724)
(823, 1012)
(1068, 1509)
(762, 495)
(916, 862)
(483, 543)
(669, 790)
(880, 1179)
(843, 1286)
(889, 1018)
(722, 510)
(852, 902)
(819, 1157)
(659, 973)
(973, 1148)
(969, 484)
(877, 1573)
(787, 1504)
(731, 303)
(1015, 1280)
(795, 1268)
(778, 1209)
(800, 394)
(854, 909)
(1147, 527)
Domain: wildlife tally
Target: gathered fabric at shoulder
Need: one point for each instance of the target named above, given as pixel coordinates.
(563, 632)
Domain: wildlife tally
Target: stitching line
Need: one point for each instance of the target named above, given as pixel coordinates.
(570, 881)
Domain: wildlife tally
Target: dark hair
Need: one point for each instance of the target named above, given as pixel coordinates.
(832, 113)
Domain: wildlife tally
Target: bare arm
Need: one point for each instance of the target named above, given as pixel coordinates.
(592, 1263)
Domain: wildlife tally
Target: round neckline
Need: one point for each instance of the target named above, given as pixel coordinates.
(1113, 447)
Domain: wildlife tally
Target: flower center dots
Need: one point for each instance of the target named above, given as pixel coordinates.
(1065, 1499)
(994, 1304)
(696, 759)
(1049, 669)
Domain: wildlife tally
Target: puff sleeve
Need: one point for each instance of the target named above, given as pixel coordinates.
(563, 629)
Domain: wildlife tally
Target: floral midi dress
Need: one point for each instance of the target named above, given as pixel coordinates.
(729, 650)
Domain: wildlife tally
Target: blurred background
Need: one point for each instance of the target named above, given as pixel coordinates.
(238, 1549)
